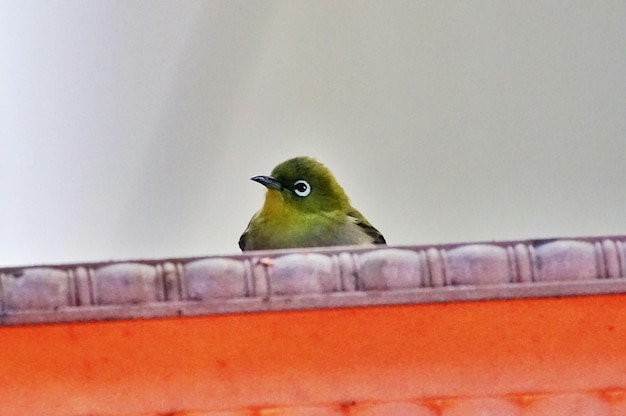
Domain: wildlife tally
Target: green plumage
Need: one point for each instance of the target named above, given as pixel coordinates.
(305, 207)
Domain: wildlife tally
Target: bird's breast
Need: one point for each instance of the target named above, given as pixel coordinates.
(298, 229)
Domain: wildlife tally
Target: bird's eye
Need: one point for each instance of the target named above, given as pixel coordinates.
(302, 188)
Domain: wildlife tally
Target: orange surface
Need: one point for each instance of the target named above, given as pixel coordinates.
(474, 349)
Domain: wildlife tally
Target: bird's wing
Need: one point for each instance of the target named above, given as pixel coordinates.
(242, 240)
(359, 219)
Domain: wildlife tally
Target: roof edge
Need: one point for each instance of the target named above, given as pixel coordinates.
(315, 278)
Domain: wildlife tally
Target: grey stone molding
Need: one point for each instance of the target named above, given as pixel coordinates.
(312, 278)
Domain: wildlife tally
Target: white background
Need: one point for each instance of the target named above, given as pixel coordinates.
(130, 129)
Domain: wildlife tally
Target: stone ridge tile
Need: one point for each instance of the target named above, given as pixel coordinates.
(390, 269)
(215, 278)
(126, 284)
(296, 274)
(36, 288)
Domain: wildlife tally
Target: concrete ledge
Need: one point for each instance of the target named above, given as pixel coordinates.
(312, 279)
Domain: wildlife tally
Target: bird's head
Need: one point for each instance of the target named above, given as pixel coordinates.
(304, 184)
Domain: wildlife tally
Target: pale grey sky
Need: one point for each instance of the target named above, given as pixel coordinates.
(131, 129)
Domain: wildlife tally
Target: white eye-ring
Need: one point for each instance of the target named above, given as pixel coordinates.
(302, 188)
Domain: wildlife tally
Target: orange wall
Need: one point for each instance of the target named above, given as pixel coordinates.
(311, 357)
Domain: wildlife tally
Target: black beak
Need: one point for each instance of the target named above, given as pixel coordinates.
(268, 182)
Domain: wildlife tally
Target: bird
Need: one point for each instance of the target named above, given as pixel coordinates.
(305, 207)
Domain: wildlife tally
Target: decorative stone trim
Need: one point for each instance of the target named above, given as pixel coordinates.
(312, 278)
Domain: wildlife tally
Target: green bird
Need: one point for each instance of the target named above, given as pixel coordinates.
(305, 207)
